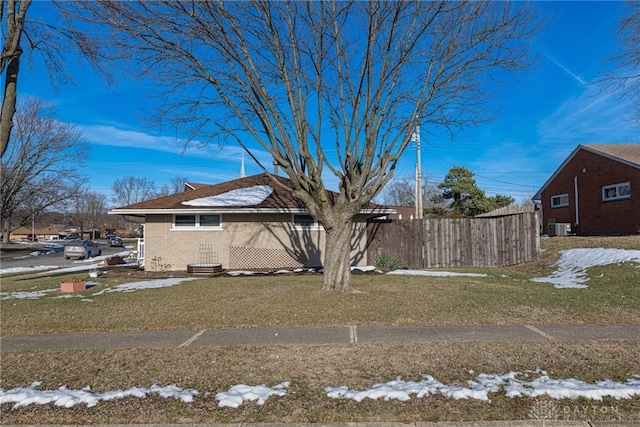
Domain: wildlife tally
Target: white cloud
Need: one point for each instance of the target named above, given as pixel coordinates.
(113, 136)
(592, 117)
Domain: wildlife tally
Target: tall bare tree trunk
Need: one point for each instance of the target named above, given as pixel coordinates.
(10, 63)
(6, 229)
(337, 259)
(9, 102)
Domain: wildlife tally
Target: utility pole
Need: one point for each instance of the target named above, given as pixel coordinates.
(416, 137)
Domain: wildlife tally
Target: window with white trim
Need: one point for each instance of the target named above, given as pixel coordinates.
(560, 200)
(209, 220)
(205, 222)
(306, 222)
(180, 221)
(616, 191)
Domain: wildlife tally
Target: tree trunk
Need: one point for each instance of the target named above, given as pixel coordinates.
(6, 229)
(16, 12)
(9, 103)
(337, 260)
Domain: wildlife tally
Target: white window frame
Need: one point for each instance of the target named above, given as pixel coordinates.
(616, 187)
(559, 196)
(197, 225)
(296, 226)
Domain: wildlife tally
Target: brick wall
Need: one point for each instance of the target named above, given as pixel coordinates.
(595, 216)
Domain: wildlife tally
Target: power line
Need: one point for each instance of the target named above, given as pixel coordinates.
(485, 177)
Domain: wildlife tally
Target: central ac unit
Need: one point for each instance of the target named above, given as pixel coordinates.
(559, 229)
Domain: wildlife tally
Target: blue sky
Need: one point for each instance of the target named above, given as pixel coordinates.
(541, 118)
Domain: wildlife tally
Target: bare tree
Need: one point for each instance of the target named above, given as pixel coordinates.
(333, 88)
(527, 199)
(130, 190)
(42, 164)
(624, 76)
(22, 38)
(87, 210)
(401, 191)
(12, 17)
(163, 191)
(175, 186)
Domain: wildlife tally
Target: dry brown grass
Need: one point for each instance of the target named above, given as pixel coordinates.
(310, 369)
(298, 301)
(506, 296)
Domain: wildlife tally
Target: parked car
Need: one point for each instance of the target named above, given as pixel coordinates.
(72, 236)
(82, 249)
(32, 237)
(114, 241)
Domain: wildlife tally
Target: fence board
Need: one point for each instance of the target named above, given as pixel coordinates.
(442, 243)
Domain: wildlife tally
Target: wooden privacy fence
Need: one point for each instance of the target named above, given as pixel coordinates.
(490, 241)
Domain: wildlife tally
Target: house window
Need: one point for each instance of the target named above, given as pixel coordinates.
(209, 220)
(184, 221)
(616, 191)
(196, 221)
(305, 222)
(560, 200)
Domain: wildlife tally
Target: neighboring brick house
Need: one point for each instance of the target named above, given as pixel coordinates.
(596, 190)
(42, 233)
(248, 223)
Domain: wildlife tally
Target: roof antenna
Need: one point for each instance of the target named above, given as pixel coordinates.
(242, 175)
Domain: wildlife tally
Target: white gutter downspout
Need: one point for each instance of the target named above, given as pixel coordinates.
(575, 186)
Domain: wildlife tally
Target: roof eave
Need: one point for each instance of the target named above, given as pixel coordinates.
(143, 212)
(538, 195)
(609, 156)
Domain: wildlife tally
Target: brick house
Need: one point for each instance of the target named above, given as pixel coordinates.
(43, 233)
(595, 191)
(250, 223)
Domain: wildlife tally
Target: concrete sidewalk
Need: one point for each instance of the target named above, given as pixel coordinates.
(320, 335)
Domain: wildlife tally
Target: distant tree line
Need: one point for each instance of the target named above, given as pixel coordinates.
(41, 181)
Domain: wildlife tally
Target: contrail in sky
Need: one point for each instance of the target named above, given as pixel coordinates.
(575, 76)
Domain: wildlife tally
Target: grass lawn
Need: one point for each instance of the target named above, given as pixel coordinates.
(505, 296)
